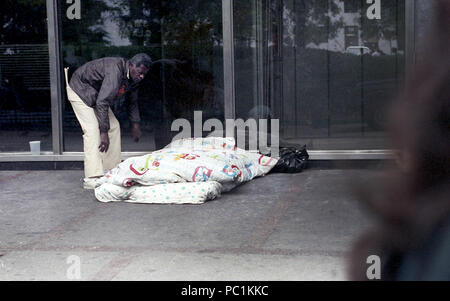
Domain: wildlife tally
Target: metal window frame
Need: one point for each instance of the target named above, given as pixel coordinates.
(228, 60)
(313, 155)
(57, 94)
(410, 37)
(56, 79)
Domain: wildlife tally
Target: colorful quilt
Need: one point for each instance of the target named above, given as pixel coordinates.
(187, 171)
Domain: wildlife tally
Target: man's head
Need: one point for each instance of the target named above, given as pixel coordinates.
(139, 66)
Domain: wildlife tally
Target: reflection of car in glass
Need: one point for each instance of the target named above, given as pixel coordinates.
(358, 50)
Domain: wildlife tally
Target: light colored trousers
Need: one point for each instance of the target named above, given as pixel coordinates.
(95, 162)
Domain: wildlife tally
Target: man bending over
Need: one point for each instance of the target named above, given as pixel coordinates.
(94, 89)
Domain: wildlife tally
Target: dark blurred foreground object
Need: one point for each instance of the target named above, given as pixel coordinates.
(411, 205)
(291, 160)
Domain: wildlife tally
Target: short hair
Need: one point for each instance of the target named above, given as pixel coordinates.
(141, 59)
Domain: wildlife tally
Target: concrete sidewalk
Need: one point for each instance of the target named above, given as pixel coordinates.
(278, 227)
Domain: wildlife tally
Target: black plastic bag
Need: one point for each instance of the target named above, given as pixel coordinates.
(292, 160)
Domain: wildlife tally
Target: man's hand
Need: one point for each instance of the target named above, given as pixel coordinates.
(104, 142)
(136, 132)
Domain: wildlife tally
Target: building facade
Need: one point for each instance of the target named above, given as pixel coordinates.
(326, 69)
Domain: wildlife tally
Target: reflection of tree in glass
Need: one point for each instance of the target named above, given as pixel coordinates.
(321, 21)
(385, 28)
(321, 18)
(184, 31)
(182, 26)
(315, 21)
(187, 32)
(23, 21)
(89, 29)
(139, 21)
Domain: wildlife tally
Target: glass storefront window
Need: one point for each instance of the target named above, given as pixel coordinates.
(327, 69)
(24, 76)
(183, 38)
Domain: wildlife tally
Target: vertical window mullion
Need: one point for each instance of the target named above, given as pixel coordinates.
(228, 59)
(56, 79)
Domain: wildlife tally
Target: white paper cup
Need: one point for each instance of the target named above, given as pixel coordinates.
(35, 147)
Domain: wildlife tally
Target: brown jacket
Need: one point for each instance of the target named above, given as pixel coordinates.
(102, 83)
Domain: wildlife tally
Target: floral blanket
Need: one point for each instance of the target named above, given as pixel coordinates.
(187, 171)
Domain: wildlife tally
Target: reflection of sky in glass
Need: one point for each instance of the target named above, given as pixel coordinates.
(112, 28)
(113, 35)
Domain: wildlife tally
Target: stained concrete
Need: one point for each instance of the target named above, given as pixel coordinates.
(278, 227)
